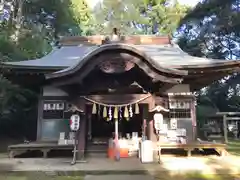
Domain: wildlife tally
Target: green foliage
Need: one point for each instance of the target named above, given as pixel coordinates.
(33, 45)
(139, 17)
(164, 15)
(212, 30)
(41, 22)
(81, 15)
(215, 25)
(8, 50)
(119, 14)
(16, 104)
(68, 16)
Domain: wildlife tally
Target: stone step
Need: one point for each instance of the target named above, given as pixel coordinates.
(96, 150)
(96, 155)
(97, 147)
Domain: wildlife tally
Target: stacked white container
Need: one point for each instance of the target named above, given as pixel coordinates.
(146, 151)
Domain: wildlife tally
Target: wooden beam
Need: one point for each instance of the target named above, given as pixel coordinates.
(117, 99)
(131, 82)
(164, 87)
(228, 113)
(233, 118)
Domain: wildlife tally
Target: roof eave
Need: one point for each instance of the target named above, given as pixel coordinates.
(212, 65)
(14, 66)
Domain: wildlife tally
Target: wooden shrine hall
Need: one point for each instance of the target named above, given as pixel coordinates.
(127, 79)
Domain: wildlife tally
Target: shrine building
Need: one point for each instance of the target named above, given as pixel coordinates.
(104, 80)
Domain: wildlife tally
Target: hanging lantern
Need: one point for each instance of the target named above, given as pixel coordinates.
(126, 113)
(94, 109)
(110, 113)
(115, 115)
(136, 108)
(104, 112)
(130, 111)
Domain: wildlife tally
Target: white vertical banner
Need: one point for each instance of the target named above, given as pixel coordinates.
(158, 121)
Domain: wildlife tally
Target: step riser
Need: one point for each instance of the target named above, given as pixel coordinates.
(97, 155)
(96, 150)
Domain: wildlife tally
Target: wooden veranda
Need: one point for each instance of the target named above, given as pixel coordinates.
(44, 147)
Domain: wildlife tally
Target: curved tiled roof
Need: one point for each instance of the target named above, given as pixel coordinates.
(169, 56)
(123, 48)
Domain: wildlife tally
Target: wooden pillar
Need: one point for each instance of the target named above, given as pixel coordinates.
(89, 126)
(146, 120)
(81, 136)
(151, 131)
(152, 134)
(194, 120)
(40, 115)
(225, 131)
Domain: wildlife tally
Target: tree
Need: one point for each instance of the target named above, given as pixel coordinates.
(214, 24)
(62, 17)
(122, 15)
(212, 30)
(139, 17)
(28, 29)
(163, 15)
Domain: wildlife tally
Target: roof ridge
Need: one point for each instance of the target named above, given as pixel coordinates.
(130, 39)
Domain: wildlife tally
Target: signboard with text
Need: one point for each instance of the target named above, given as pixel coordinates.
(75, 122)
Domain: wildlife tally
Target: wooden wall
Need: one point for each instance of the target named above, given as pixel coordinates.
(51, 94)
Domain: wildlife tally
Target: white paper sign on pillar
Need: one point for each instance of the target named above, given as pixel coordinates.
(158, 121)
(75, 122)
(173, 123)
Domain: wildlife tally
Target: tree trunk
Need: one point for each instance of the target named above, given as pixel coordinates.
(18, 24)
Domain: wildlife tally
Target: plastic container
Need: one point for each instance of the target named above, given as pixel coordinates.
(124, 153)
(146, 151)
